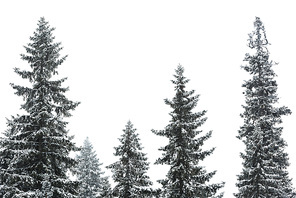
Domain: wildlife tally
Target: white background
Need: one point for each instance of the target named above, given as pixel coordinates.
(122, 55)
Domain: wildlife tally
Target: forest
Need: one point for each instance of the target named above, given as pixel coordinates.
(35, 149)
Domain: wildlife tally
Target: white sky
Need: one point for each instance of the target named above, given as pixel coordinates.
(122, 55)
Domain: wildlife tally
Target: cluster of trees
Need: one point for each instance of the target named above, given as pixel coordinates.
(34, 152)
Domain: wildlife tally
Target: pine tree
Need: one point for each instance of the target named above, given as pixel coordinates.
(90, 175)
(34, 155)
(130, 172)
(264, 160)
(186, 177)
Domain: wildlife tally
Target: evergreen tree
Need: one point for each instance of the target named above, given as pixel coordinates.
(129, 173)
(186, 177)
(264, 160)
(89, 174)
(34, 155)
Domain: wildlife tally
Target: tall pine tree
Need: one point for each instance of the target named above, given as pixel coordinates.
(90, 175)
(34, 155)
(183, 154)
(264, 160)
(130, 172)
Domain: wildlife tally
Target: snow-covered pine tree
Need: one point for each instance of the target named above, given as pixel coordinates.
(264, 160)
(130, 172)
(90, 175)
(183, 154)
(34, 155)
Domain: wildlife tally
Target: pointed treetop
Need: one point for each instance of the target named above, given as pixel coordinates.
(42, 52)
(86, 141)
(87, 144)
(257, 39)
(180, 79)
(129, 123)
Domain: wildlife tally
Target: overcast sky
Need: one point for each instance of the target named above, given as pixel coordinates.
(122, 56)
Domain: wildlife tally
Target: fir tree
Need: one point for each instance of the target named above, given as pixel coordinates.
(183, 154)
(89, 174)
(264, 160)
(130, 172)
(34, 155)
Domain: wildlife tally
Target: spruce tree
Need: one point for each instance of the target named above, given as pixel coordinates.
(183, 153)
(130, 172)
(90, 175)
(34, 155)
(265, 163)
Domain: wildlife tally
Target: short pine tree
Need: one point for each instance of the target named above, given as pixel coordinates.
(34, 155)
(186, 177)
(130, 172)
(264, 160)
(90, 175)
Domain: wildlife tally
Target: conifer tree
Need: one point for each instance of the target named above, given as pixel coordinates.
(90, 175)
(34, 155)
(265, 163)
(183, 153)
(130, 172)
